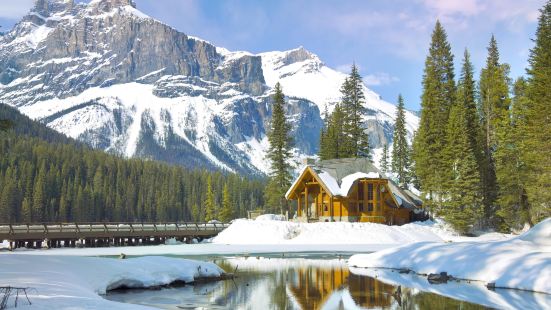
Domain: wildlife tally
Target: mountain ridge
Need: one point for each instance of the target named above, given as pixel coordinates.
(107, 74)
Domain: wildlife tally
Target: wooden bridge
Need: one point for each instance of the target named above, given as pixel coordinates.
(104, 234)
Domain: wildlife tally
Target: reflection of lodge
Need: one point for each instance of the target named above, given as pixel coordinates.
(352, 190)
(316, 285)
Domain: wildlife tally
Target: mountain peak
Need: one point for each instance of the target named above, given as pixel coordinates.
(41, 7)
(108, 5)
(45, 7)
(299, 54)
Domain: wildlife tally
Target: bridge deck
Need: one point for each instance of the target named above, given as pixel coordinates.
(74, 231)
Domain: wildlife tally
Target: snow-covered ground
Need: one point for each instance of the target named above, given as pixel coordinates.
(61, 282)
(334, 233)
(523, 262)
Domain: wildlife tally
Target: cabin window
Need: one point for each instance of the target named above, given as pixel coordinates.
(369, 191)
(361, 206)
(379, 201)
(325, 208)
(360, 191)
(370, 206)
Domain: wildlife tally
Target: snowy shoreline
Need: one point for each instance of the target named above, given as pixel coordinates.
(523, 262)
(69, 282)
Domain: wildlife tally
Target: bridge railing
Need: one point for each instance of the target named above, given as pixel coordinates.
(90, 228)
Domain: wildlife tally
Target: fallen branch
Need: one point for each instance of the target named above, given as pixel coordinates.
(7, 291)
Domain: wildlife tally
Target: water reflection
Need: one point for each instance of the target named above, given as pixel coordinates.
(291, 283)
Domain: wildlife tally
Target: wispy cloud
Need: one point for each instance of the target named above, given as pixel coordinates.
(379, 79)
(508, 11)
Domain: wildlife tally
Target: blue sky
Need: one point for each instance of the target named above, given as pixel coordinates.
(387, 39)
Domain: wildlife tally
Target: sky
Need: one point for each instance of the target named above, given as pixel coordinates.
(388, 40)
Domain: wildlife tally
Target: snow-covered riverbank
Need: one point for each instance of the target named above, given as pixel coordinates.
(523, 262)
(283, 232)
(60, 282)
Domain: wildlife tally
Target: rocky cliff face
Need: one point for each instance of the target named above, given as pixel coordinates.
(109, 75)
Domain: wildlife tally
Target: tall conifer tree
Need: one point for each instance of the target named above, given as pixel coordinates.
(436, 101)
(400, 148)
(226, 213)
(324, 151)
(279, 154)
(510, 169)
(384, 160)
(463, 207)
(210, 202)
(356, 143)
(536, 150)
(494, 103)
(335, 136)
(466, 95)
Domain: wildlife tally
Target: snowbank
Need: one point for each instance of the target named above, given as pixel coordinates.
(271, 217)
(523, 262)
(282, 232)
(63, 282)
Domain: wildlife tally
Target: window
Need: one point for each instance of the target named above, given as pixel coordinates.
(360, 191)
(369, 191)
(370, 206)
(379, 202)
(361, 206)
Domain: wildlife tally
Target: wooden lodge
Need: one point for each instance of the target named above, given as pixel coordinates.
(351, 190)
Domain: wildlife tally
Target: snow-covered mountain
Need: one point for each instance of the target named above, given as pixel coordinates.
(109, 75)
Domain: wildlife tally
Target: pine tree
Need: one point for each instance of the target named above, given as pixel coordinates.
(8, 200)
(463, 208)
(400, 148)
(210, 203)
(384, 160)
(226, 214)
(356, 142)
(510, 169)
(437, 98)
(493, 105)
(324, 151)
(26, 211)
(279, 154)
(196, 213)
(335, 137)
(536, 149)
(466, 95)
(39, 196)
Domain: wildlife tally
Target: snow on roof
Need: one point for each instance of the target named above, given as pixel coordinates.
(349, 180)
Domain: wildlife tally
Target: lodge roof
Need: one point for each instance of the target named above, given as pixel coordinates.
(342, 167)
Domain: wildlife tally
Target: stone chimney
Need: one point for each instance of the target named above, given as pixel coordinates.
(307, 161)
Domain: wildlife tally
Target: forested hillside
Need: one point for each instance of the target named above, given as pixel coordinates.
(45, 177)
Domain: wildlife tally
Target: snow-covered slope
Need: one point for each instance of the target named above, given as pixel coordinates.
(96, 72)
